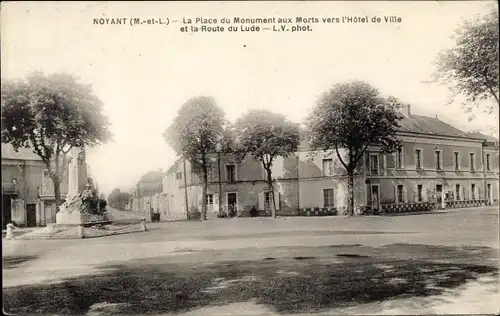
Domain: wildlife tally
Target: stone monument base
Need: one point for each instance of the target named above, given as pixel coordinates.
(72, 212)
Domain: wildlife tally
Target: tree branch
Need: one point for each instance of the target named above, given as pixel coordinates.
(340, 158)
(494, 95)
(36, 147)
(357, 158)
(67, 151)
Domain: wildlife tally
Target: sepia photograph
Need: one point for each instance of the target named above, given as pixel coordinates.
(250, 157)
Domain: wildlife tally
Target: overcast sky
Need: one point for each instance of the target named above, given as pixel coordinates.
(143, 74)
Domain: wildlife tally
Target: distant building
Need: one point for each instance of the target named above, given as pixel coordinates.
(27, 189)
(438, 166)
(150, 184)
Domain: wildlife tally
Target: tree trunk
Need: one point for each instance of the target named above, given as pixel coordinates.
(204, 189)
(350, 193)
(220, 183)
(57, 192)
(56, 180)
(271, 187)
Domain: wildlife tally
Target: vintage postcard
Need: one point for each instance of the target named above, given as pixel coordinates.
(250, 158)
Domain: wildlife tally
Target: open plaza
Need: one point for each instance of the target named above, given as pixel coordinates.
(411, 264)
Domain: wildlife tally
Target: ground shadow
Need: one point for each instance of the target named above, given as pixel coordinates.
(414, 213)
(12, 262)
(285, 285)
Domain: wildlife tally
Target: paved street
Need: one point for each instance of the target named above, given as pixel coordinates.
(384, 264)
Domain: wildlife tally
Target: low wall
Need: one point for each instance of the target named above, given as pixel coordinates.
(318, 211)
(408, 207)
(467, 203)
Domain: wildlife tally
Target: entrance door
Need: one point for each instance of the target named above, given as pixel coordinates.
(232, 203)
(31, 215)
(439, 195)
(375, 197)
(49, 216)
(6, 210)
(488, 193)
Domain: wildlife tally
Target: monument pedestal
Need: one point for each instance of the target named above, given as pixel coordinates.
(70, 212)
(74, 211)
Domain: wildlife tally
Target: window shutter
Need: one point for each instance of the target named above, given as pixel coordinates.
(463, 193)
(216, 202)
(425, 194)
(277, 200)
(381, 164)
(261, 201)
(396, 194)
(415, 193)
(200, 201)
(402, 157)
(321, 198)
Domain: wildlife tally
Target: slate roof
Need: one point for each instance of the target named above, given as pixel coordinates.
(429, 125)
(482, 136)
(426, 125)
(152, 176)
(8, 152)
(173, 168)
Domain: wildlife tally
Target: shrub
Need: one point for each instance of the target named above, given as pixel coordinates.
(194, 213)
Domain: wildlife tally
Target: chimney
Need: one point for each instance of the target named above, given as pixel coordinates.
(405, 110)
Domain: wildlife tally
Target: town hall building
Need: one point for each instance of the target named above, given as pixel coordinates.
(438, 166)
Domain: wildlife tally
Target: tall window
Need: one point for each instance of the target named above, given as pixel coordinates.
(399, 158)
(46, 184)
(209, 173)
(231, 173)
(438, 159)
(268, 197)
(210, 202)
(327, 167)
(374, 164)
(400, 194)
(328, 199)
(488, 162)
(267, 200)
(418, 158)
(456, 160)
(420, 194)
(471, 156)
(473, 191)
(457, 192)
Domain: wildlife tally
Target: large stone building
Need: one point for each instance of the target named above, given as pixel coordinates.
(438, 166)
(147, 194)
(27, 189)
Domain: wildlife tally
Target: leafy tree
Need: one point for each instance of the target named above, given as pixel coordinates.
(52, 114)
(118, 199)
(265, 136)
(353, 116)
(471, 67)
(195, 132)
(114, 197)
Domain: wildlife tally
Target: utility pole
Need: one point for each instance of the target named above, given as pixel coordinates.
(185, 188)
(220, 183)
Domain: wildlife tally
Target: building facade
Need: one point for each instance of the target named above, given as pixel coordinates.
(27, 189)
(438, 166)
